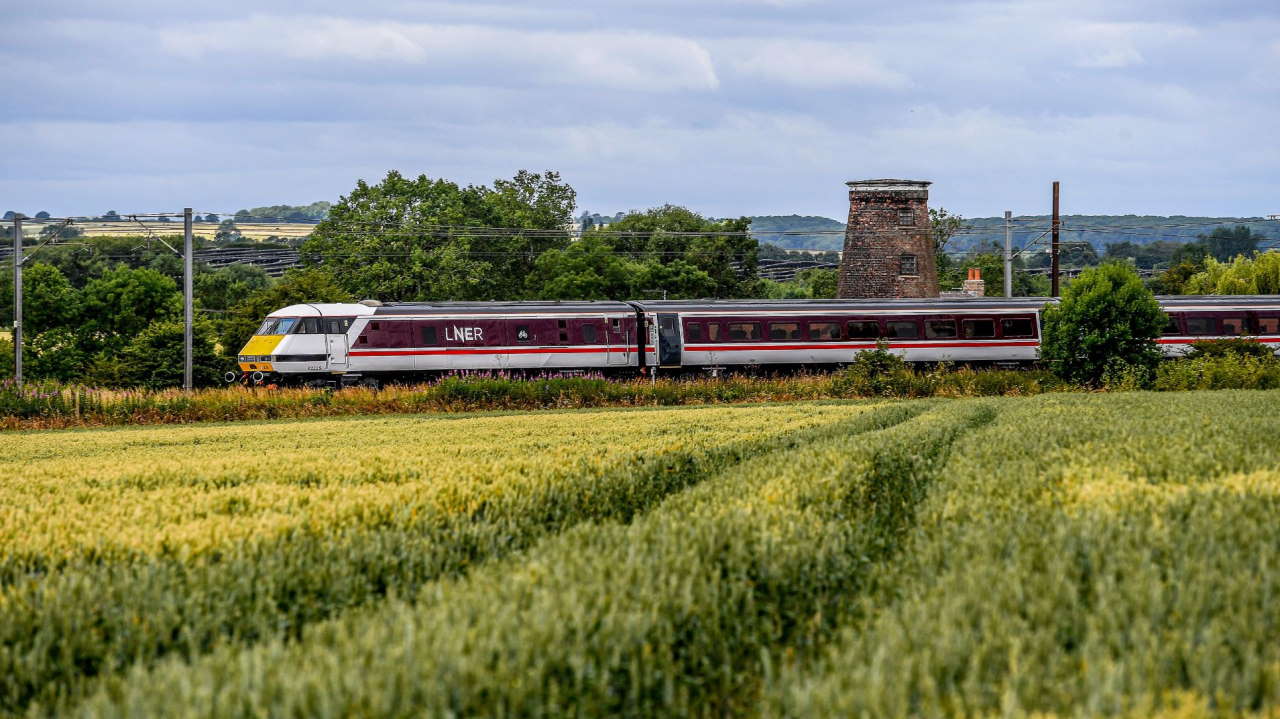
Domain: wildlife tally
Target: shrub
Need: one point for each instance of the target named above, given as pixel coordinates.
(1225, 371)
(1232, 346)
(1106, 316)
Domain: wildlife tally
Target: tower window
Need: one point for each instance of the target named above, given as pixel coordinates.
(907, 265)
(906, 216)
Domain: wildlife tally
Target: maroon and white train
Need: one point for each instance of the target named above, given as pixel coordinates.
(371, 342)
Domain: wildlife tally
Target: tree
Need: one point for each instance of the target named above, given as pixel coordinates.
(297, 286)
(54, 354)
(589, 269)
(154, 359)
(1225, 244)
(426, 239)
(110, 216)
(222, 288)
(49, 301)
(121, 303)
(944, 226)
(722, 249)
(1106, 320)
(42, 215)
(227, 231)
(1257, 276)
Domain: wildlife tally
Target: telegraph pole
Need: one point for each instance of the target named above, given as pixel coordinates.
(17, 299)
(1057, 225)
(188, 309)
(1008, 253)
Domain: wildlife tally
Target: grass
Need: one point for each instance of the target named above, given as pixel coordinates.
(1066, 554)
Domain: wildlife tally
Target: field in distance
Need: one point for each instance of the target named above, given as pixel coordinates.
(1057, 555)
(248, 230)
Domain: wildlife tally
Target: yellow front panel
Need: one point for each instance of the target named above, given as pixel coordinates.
(259, 345)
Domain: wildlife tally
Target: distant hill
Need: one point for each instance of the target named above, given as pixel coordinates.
(1098, 230)
(828, 232)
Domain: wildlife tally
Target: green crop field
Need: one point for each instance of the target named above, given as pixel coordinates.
(1059, 555)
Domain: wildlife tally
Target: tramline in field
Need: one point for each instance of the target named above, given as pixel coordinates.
(371, 342)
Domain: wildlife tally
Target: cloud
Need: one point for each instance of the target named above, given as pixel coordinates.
(811, 64)
(643, 62)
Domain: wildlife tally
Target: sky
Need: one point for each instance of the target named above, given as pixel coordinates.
(729, 107)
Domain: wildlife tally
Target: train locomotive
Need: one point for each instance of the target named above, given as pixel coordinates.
(371, 342)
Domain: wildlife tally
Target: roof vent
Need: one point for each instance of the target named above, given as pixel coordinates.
(370, 303)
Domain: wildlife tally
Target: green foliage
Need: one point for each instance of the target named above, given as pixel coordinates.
(1259, 275)
(49, 301)
(951, 275)
(297, 286)
(227, 286)
(276, 213)
(54, 354)
(385, 241)
(1229, 346)
(730, 261)
(1228, 370)
(154, 358)
(121, 303)
(1106, 317)
(944, 226)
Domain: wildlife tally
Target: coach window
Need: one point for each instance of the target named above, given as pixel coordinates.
(1234, 326)
(1170, 325)
(940, 329)
(429, 337)
(337, 326)
(744, 331)
(523, 333)
(1199, 325)
(907, 265)
(1269, 325)
(588, 334)
(693, 332)
(824, 330)
(714, 333)
(564, 331)
(901, 330)
(784, 330)
(1017, 327)
(979, 329)
(865, 330)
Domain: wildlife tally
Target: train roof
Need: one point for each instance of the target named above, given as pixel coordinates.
(502, 308)
(935, 304)
(962, 304)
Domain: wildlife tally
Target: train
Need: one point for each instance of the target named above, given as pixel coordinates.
(370, 343)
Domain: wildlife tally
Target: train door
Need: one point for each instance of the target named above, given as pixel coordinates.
(335, 332)
(618, 340)
(669, 340)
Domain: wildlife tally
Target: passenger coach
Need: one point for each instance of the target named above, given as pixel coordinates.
(371, 342)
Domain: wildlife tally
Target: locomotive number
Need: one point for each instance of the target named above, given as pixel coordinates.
(464, 334)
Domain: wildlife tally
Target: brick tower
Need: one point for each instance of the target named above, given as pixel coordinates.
(888, 247)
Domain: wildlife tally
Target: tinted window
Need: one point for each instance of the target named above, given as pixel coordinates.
(979, 329)
(744, 331)
(429, 338)
(668, 324)
(940, 329)
(309, 326)
(824, 330)
(713, 331)
(1171, 326)
(1199, 325)
(693, 332)
(337, 326)
(864, 330)
(589, 334)
(901, 330)
(1017, 327)
(784, 330)
(1268, 325)
(1234, 326)
(375, 326)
